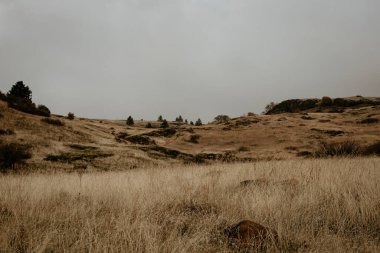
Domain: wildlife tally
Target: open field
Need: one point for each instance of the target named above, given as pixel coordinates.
(327, 205)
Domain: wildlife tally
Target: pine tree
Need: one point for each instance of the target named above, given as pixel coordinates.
(20, 90)
(160, 118)
(130, 121)
(164, 124)
(198, 122)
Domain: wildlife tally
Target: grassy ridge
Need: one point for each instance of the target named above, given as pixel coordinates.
(330, 206)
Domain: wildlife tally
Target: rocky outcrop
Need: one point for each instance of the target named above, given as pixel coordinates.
(294, 105)
(298, 105)
(251, 234)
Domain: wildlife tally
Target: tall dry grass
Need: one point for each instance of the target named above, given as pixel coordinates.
(334, 207)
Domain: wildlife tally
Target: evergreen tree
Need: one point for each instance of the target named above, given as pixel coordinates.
(198, 122)
(20, 90)
(160, 118)
(179, 119)
(130, 121)
(164, 124)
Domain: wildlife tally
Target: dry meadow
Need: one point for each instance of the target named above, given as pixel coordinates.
(317, 205)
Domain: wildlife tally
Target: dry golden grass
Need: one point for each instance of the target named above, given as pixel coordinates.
(329, 206)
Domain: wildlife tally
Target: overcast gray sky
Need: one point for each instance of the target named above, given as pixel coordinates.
(197, 58)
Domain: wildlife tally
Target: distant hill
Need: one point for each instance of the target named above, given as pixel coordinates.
(316, 105)
(62, 144)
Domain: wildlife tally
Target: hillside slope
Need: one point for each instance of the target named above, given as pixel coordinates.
(112, 145)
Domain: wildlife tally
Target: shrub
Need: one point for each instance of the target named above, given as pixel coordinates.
(243, 149)
(55, 122)
(369, 121)
(130, 121)
(347, 148)
(6, 132)
(269, 107)
(70, 116)
(21, 104)
(148, 125)
(198, 122)
(160, 119)
(164, 124)
(12, 154)
(43, 111)
(326, 101)
(179, 119)
(250, 114)
(194, 138)
(191, 123)
(221, 118)
(186, 122)
(373, 149)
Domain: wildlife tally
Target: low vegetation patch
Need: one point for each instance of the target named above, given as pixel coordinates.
(6, 132)
(140, 139)
(55, 122)
(194, 138)
(82, 147)
(369, 121)
(72, 157)
(347, 148)
(12, 154)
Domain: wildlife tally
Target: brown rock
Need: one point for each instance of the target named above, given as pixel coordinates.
(249, 233)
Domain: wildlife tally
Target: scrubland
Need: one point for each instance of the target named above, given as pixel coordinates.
(317, 205)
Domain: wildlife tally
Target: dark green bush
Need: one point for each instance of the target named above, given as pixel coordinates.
(70, 116)
(55, 122)
(373, 149)
(221, 118)
(198, 122)
(43, 111)
(346, 148)
(179, 119)
(148, 125)
(12, 154)
(326, 101)
(164, 124)
(194, 138)
(6, 132)
(369, 121)
(130, 121)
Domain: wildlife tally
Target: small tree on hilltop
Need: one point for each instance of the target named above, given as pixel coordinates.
(198, 122)
(20, 90)
(148, 125)
(160, 119)
(70, 116)
(222, 118)
(179, 119)
(130, 121)
(186, 122)
(191, 123)
(164, 124)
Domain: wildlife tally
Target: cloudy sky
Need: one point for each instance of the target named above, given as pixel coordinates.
(197, 58)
